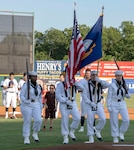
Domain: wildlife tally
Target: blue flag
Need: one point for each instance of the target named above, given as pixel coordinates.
(93, 44)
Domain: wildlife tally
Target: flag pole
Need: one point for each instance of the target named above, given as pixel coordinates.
(96, 84)
(102, 9)
(71, 88)
(74, 4)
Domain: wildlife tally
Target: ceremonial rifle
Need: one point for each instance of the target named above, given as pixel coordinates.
(28, 84)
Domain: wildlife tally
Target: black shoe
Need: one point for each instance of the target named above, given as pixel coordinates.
(44, 128)
(100, 139)
(51, 128)
(73, 139)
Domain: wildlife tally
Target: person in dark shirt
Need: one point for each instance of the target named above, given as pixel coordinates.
(51, 106)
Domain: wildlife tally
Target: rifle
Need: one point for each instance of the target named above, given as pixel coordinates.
(117, 65)
(28, 84)
(124, 83)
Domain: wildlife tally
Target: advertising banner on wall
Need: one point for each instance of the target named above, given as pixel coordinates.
(46, 68)
(107, 68)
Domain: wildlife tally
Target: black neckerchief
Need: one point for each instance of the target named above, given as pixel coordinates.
(93, 84)
(73, 87)
(35, 88)
(119, 85)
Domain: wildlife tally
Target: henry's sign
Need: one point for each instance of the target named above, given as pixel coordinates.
(49, 67)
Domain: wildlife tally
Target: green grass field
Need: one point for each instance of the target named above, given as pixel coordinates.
(11, 135)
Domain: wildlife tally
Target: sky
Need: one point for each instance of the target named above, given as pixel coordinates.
(59, 13)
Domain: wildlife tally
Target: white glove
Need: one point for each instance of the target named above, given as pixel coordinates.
(128, 95)
(68, 102)
(93, 105)
(88, 102)
(28, 101)
(109, 108)
(97, 79)
(73, 98)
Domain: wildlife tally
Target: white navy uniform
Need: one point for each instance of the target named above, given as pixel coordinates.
(62, 97)
(57, 112)
(82, 102)
(31, 108)
(89, 97)
(116, 104)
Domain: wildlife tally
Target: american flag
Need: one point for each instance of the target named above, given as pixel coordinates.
(76, 52)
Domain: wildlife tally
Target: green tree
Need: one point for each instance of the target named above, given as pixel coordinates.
(55, 43)
(127, 49)
(116, 42)
(84, 30)
(39, 41)
(111, 37)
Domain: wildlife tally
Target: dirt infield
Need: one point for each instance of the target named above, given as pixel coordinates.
(2, 112)
(95, 146)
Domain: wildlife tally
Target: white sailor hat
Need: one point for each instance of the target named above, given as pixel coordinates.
(94, 72)
(118, 72)
(32, 73)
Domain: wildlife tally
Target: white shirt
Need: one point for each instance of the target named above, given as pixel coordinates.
(15, 86)
(20, 84)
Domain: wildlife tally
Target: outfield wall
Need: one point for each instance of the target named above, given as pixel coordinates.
(49, 71)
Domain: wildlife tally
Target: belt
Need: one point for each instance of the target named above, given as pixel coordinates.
(10, 92)
(119, 100)
(98, 100)
(33, 100)
(71, 99)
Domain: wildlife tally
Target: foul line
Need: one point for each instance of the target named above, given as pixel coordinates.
(123, 144)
